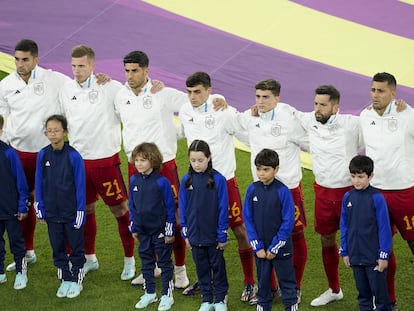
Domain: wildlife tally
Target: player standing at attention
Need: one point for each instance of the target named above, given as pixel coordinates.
(27, 97)
(199, 120)
(61, 205)
(389, 140)
(95, 131)
(14, 196)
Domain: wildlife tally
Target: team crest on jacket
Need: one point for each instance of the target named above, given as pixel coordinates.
(93, 96)
(210, 122)
(147, 102)
(38, 88)
(276, 130)
(392, 124)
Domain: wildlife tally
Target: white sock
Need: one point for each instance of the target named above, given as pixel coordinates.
(91, 258)
(30, 253)
(129, 259)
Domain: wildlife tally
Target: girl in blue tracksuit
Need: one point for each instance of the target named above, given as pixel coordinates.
(204, 218)
(269, 217)
(60, 202)
(14, 195)
(152, 215)
(366, 237)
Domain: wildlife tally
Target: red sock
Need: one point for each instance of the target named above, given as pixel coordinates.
(246, 259)
(330, 259)
(125, 235)
(89, 233)
(392, 268)
(273, 281)
(179, 247)
(28, 227)
(300, 254)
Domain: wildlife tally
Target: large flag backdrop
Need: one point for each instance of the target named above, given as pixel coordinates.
(300, 43)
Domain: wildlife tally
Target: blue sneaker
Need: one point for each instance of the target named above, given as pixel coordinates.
(3, 278)
(63, 289)
(166, 303)
(206, 306)
(145, 300)
(30, 260)
(74, 290)
(90, 266)
(21, 281)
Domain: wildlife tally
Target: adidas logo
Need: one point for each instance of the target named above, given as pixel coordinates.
(135, 189)
(373, 123)
(255, 199)
(349, 204)
(191, 120)
(74, 98)
(17, 92)
(315, 127)
(47, 163)
(258, 125)
(161, 235)
(190, 187)
(128, 103)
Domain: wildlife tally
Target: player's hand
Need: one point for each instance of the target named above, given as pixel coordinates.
(156, 86)
(42, 221)
(169, 239)
(270, 255)
(401, 105)
(254, 111)
(187, 242)
(382, 265)
(102, 78)
(261, 254)
(219, 104)
(221, 246)
(346, 261)
(135, 236)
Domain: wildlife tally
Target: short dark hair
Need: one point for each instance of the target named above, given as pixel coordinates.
(150, 152)
(385, 77)
(83, 50)
(267, 157)
(334, 95)
(137, 57)
(27, 45)
(198, 78)
(59, 118)
(361, 164)
(1, 122)
(269, 84)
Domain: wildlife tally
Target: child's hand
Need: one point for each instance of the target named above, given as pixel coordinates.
(21, 216)
(270, 255)
(187, 242)
(346, 261)
(169, 239)
(221, 246)
(382, 265)
(135, 236)
(261, 254)
(42, 221)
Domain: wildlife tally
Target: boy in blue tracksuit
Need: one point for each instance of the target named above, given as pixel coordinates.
(269, 216)
(204, 217)
(60, 202)
(366, 237)
(14, 195)
(152, 215)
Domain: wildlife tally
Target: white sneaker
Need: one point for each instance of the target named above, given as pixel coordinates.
(29, 260)
(139, 280)
(3, 278)
(181, 279)
(166, 303)
(129, 271)
(145, 300)
(327, 297)
(90, 266)
(21, 281)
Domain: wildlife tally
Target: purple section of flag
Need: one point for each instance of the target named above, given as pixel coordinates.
(177, 47)
(391, 16)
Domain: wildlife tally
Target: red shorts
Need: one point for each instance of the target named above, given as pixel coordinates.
(168, 170)
(28, 160)
(300, 214)
(235, 205)
(104, 178)
(328, 204)
(401, 209)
